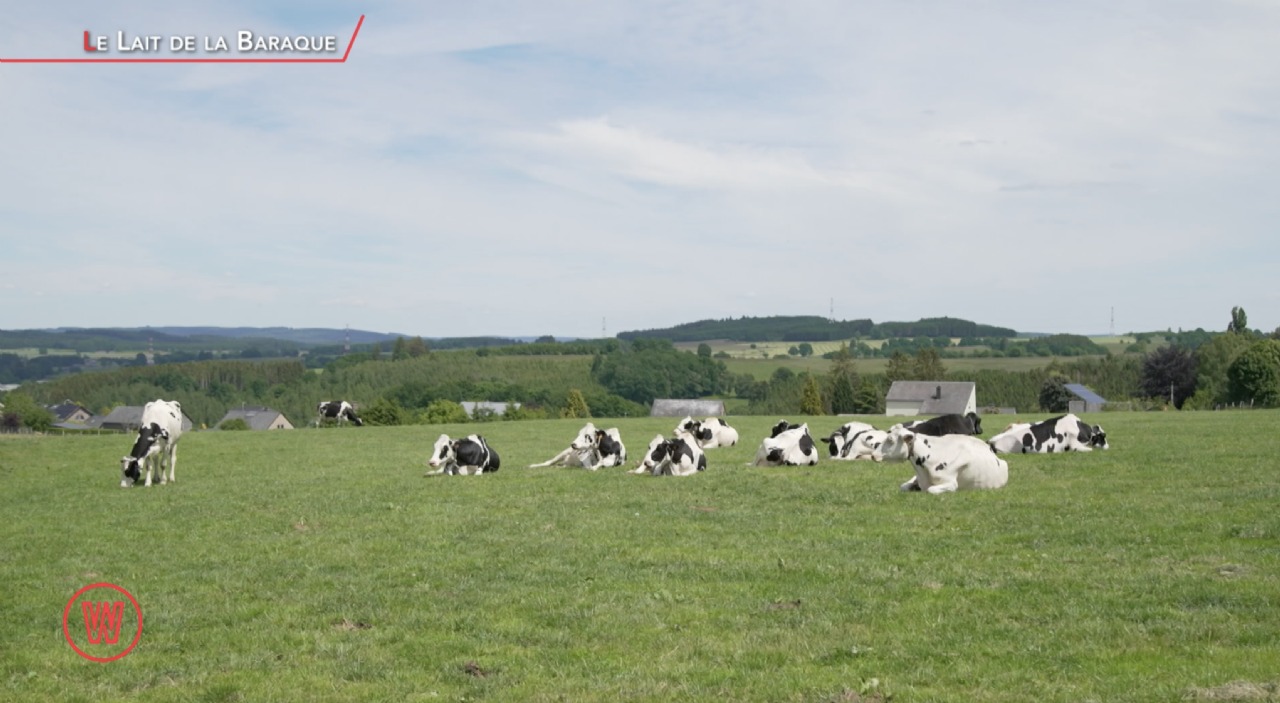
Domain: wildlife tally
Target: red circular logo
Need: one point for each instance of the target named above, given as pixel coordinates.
(102, 621)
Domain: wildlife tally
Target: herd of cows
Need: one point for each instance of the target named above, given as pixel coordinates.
(944, 451)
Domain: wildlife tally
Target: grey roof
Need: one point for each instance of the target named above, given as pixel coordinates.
(129, 417)
(64, 410)
(255, 418)
(1084, 393)
(935, 397)
(672, 407)
(495, 407)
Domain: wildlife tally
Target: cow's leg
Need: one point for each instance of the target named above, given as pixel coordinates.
(948, 487)
(910, 485)
(173, 462)
(557, 459)
(148, 464)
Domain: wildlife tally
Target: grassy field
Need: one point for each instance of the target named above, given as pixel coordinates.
(763, 369)
(321, 565)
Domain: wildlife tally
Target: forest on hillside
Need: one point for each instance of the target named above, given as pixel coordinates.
(811, 328)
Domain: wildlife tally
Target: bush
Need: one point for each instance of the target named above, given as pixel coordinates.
(234, 423)
(384, 412)
(443, 412)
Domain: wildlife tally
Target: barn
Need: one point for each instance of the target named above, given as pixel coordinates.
(909, 398)
(1084, 400)
(674, 407)
(128, 418)
(258, 418)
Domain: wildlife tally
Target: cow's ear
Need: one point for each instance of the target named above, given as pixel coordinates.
(908, 437)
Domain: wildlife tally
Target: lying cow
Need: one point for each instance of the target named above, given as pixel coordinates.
(781, 427)
(471, 454)
(862, 445)
(793, 447)
(592, 449)
(952, 423)
(679, 455)
(1066, 433)
(710, 433)
(838, 439)
(943, 464)
(158, 434)
(338, 410)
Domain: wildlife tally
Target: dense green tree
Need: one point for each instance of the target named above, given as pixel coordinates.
(927, 365)
(1169, 371)
(1054, 396)
(383, 411)
(704, 349)
(868, 399)
(27, 411)
(811, 397)
(575, 405)
(805, 349)
(900, 367)
(1239, 321)
(416, 347)
(842, 396)
(443, 412)
(1213, 358)
(1254, 377)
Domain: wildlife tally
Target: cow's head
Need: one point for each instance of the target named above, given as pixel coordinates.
(444, 451)
(1098, 438)
(977, 422)
(897, 446)
(585, 440)
(131, 471)
(656, 454)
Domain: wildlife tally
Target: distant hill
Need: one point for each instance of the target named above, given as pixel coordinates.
(300, 335)
(811, 328)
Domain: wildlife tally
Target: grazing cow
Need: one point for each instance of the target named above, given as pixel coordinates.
(339, 410)
(1065, 433)
(710, 433)
(946, 463)
(947, 424)
(471, 454)
(591, 449)
(158, 434)
(678, 456)
(792, 447)
(781, 427)
(837, 440)
(862, 445)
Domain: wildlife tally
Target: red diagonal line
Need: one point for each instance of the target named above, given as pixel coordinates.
(350, 44)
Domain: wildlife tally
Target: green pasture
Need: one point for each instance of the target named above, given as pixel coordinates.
(322, 565)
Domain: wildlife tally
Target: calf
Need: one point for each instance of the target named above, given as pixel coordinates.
(944, 464)
(471, 454)
(792, 447)
(1065, 433)
(158, 434)
(678, 456)
(837, 440)
(591, 449)
(952, 423)
(710, 433)
(339, 410)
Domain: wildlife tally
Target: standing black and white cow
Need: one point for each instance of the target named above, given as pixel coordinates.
(339, 410)
(952, 423)
(471, 454)
(678, 456)
(592, 449)
(158, 434)
(793, 447)
(837, 440)
(1065, 433)
(710, 433)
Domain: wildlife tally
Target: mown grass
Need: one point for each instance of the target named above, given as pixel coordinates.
(319, 565)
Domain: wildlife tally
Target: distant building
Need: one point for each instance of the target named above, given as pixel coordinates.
(258, 418)
(671, 407)
(71, 413)
(1085, 400)
(931, 398)
(128, 418)
(498, 409)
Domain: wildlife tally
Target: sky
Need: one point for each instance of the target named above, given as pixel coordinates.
(567, 168)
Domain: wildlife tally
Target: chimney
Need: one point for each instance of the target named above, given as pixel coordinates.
(937, 393)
